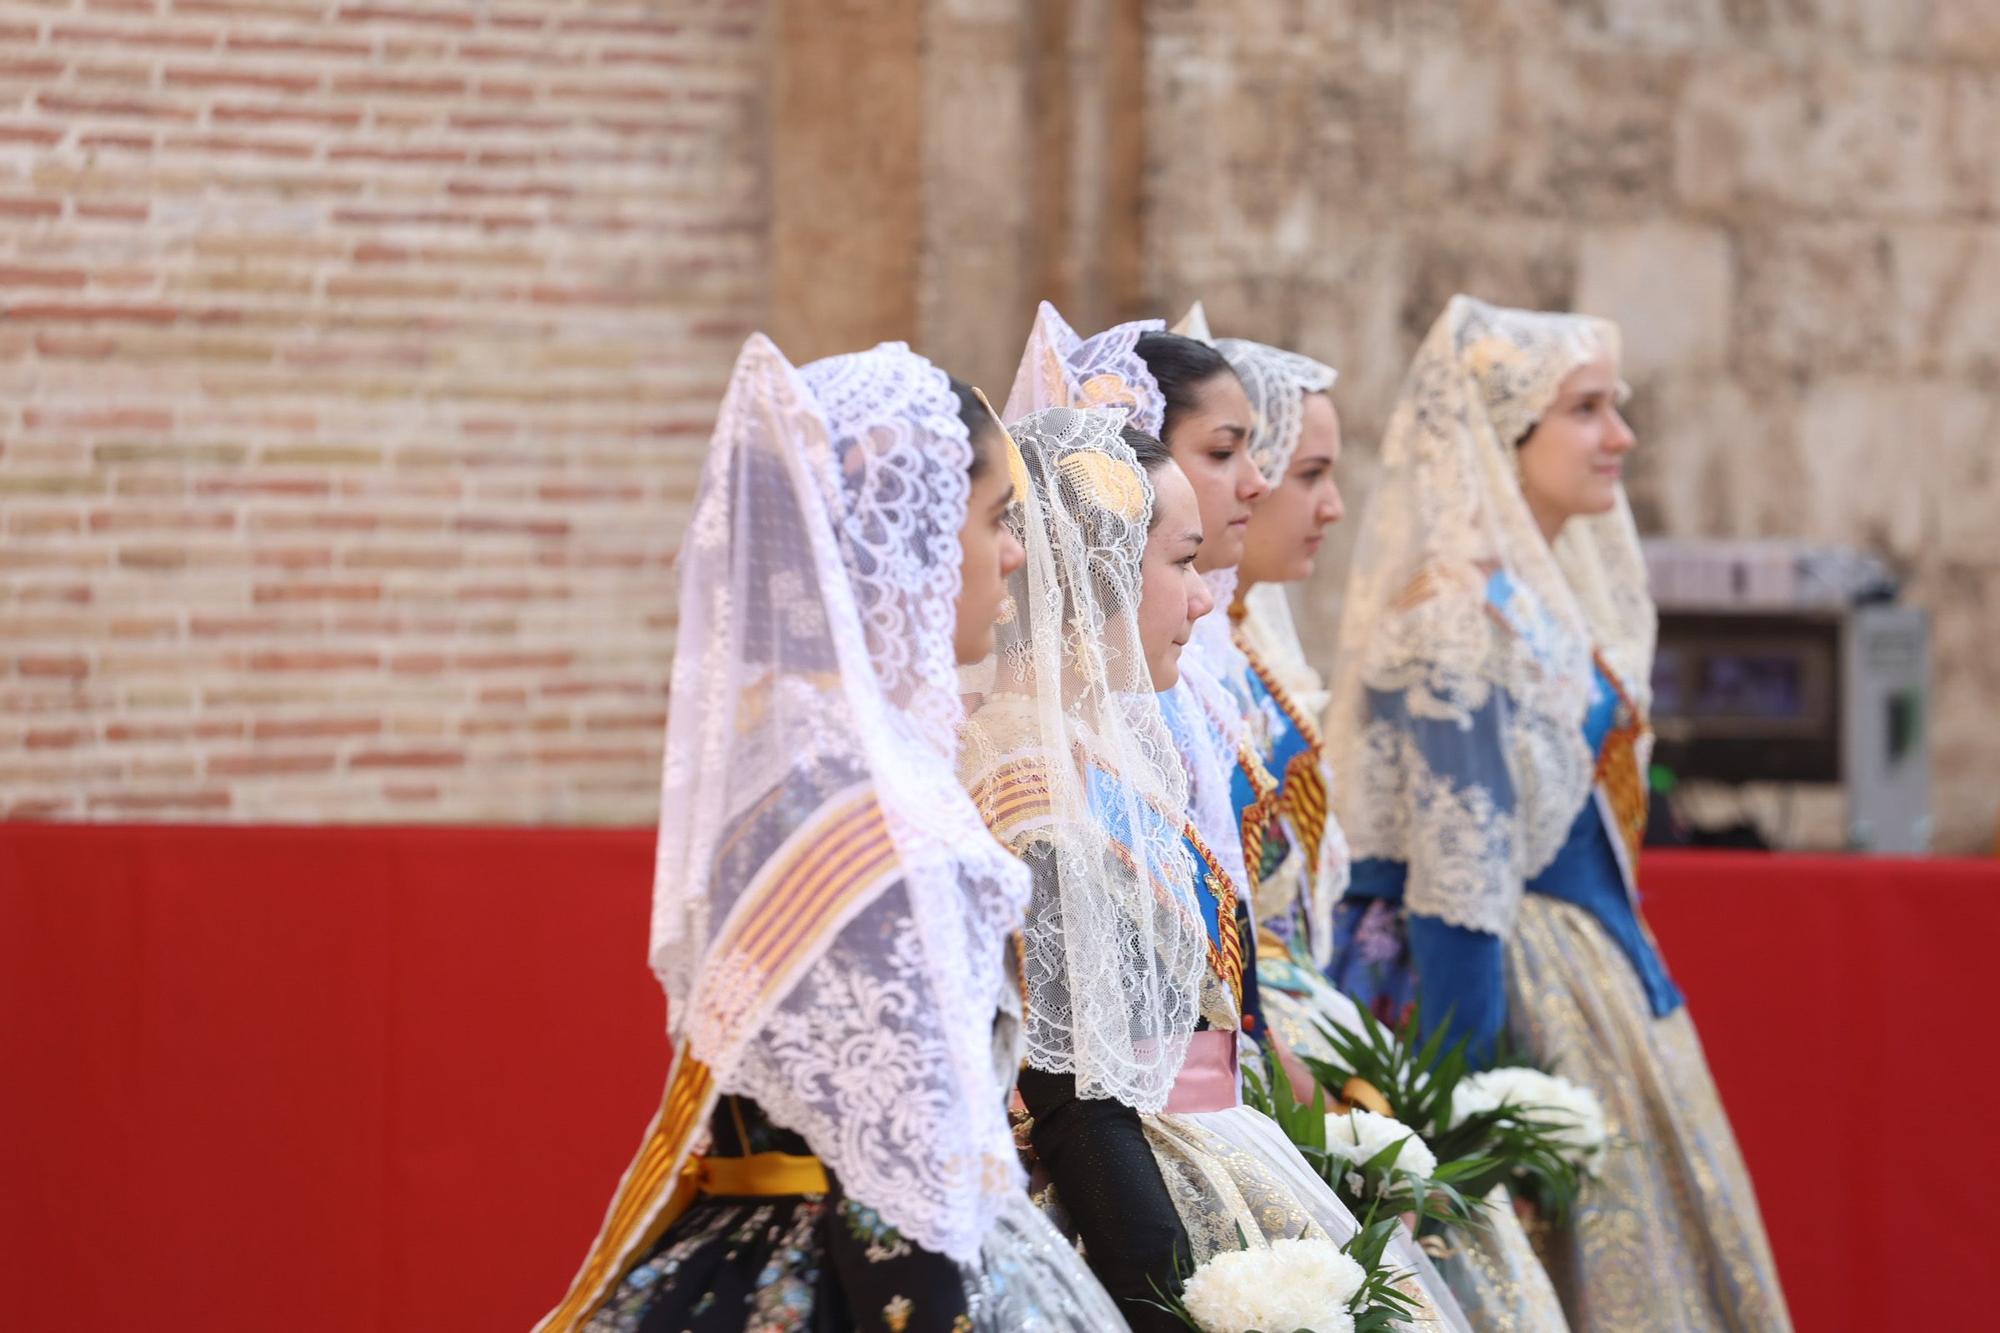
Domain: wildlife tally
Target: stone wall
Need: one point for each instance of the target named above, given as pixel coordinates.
(1792, 208)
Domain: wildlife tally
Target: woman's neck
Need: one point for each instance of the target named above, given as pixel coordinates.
(1547, 517)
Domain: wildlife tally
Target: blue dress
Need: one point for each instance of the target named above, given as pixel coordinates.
(1668, 1237)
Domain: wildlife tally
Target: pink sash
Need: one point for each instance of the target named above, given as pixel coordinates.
(1207, 1080)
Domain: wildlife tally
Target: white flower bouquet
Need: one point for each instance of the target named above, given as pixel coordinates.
(1288, 1286)
(1376, 1149)
(1571, 1113)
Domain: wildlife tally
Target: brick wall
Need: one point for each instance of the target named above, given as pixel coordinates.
(355, 364)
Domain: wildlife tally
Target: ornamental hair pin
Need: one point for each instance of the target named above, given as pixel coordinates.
(1017, 466)
(1111, 484)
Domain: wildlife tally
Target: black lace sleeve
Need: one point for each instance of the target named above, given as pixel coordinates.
(1096, 1155)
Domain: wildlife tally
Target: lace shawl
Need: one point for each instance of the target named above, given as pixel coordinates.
(1424, 658)
(829, 914)
(1071, 753)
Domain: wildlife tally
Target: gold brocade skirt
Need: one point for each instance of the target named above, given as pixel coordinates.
(1497, 1276)
(1234, 1176)
(1668, 1239)
(1500, 1284)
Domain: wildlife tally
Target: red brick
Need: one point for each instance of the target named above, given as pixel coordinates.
(315, 592)
(544, 528)
(304, 11)
(32, 68)
(408, 759)
(427, 18)
(316, 727)
(137, 108)
(288, 149)
(99, 418)
(15, 275)
(421, 156)
(57, 738)
(264, 765)
(160, 802)
(212, 627)
(145, 39)
(288, 486)
(17, 207)
(655, 720)
(162, 520)
(121, 212)
(94, 314)
(595, 754)
(313, 661)
(73, 594)
(44, 135)
(265, 113)
(312, 47)
(515, 661)
(619, 27)
(417, 664)
(41, 807)
(71, 667)
(368, 84)
(411, 793)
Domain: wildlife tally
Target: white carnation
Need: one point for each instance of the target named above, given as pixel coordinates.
(1573, 1110)
(1292, 1284)
(1356, 1136)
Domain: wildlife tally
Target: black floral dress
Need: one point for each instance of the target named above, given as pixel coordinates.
(798, 1263)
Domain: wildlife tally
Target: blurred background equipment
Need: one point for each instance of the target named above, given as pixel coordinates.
(1784, 662)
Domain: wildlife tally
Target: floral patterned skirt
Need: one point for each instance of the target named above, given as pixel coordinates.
(1668, 1239)
(802, 1263)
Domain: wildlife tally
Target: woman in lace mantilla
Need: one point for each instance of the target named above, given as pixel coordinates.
(1296, 443)
(1488, 724)
(833, 926)
(1134, 960)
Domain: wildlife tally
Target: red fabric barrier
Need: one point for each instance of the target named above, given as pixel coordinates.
(349, 1080)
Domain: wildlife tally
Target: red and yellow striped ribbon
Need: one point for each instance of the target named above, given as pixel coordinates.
(828, 865)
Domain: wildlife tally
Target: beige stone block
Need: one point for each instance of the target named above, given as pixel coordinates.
(1944, 315)
(1668, 285)
(1898, 466)
(1592, 134)
(1866, 139)
(1458, 137)
(1814, 299)
(1973, 147)
(1739, 131)
(1716, 458)
(1965, 29)
(1878, 143)
(1650, 23)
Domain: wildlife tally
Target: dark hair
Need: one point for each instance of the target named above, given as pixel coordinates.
(978, 422)
(1151, 456)
(1180, 366)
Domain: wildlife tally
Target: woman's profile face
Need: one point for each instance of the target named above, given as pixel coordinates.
(1573, 461)
(1211, 443)
(1172, 596)
(989, 550)
(1289, 524)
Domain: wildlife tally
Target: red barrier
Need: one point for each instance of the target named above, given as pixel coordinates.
(345, 1080)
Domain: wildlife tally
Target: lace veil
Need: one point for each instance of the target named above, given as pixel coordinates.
(1070, 760)
(1457, 728)
(1060, 369)
(830, 917)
